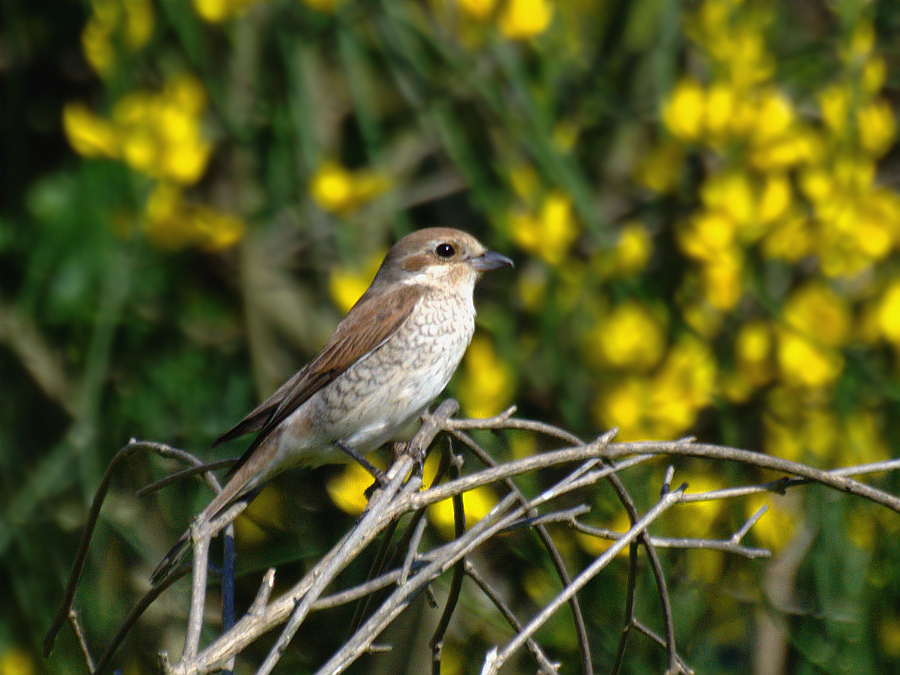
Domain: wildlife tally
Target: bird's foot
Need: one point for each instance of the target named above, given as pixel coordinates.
(380, 478)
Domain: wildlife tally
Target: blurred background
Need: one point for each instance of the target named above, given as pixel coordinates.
(702, 202)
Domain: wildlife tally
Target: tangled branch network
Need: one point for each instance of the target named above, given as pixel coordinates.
(403, 570)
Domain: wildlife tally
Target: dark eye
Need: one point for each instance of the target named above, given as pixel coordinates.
(445, 251)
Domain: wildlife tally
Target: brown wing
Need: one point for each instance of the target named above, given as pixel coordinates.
(369, 323)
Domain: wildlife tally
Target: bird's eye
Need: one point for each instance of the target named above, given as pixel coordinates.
(445, 251)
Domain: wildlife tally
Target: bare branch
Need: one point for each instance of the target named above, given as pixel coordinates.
(590, 572)
(404, 569)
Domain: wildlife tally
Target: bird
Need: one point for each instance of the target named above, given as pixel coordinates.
(388, 359)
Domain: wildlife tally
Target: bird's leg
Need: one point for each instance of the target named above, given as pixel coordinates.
(377, 473)
(402, 448)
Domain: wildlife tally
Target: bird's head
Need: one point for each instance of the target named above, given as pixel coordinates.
(439, 256)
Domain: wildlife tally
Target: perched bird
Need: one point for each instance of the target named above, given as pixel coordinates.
(387, 360)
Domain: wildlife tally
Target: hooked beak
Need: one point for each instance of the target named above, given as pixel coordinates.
(490, 260)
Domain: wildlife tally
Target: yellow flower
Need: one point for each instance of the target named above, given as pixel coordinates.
(781, 439)
(704, 319)
(139, 20)
(596, 546)
(863, 442)
(565, 135)
(667, 404)
(861, 41)
(479, 10)
(873, 231)
(801, 145)
(732, 194)
(630, 338)
(790, 240)
(719, 109)
(696, 519)
(347, 488)
(171, 223)
(660, 168)
(132, 19)
(873, 74)
(818, 312)
(160, 134)
(216, 11)
(861, 528)
(888, 313)
(834, 101)
(684, 385)
(551, 233)
(523, 444)
(777, 526)
(523, 19)
(631, 253)
(347, 285)
(774, 118)
(88, 134)
(340, 191)
(753, 351)
(889, 635)
(16, 661)
(624, 405)
(876, 127)
(531, 286)
(684, 111)
(486, 385)
(476, 504)
(524, 181)
(262, 515)
(707, 235)
(806, 364)
(775, 199)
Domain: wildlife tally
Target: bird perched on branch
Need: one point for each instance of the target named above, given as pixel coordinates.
(387, 360)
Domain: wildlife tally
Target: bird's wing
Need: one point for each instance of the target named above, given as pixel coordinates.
(372, 321)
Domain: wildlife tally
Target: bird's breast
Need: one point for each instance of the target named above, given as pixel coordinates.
(385, 390)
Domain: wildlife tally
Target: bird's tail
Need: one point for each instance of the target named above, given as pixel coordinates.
(180, 550)
(172, 560)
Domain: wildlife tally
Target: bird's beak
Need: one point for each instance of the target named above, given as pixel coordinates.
(490, 260)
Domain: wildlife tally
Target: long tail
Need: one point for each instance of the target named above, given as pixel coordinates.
(181, 548)
(173, 559)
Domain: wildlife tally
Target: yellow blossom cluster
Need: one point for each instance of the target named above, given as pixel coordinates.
(664, 401)
(486, 385)
(791, 184)
(630, 254)
(802, 190)
(172, 223)
(347, 490)
(548, 233)
(156, 133)
(340, 191)
(159, 134)
(806, 429)
(114, 25)
(516, 20)
(347, 283)
(216, 11)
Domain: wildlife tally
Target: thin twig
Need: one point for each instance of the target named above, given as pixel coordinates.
(459, 524)
(94, 515)
(586, 575)
(82, 640)
(545, 663)
(556, 558)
